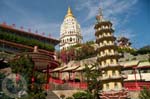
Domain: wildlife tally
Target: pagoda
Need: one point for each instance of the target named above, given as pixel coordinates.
(107, 57)
(123, 42)
(70, 32)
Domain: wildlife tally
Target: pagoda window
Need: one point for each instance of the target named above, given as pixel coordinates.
(116, 85)
(111, 61)
(107, 86)
(113, 73)
(106, 27)
(70, 39)
(114, 61)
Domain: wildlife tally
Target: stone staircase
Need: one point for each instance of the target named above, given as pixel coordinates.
(51, 95)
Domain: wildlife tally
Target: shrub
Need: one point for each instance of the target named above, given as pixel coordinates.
(69, 98)
(82, 95)
(145, 93)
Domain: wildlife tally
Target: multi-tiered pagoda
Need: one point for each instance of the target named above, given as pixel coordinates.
(112, 79)
(70, 32)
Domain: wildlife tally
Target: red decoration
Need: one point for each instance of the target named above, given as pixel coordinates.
(32, 79)
(49, 35)
(4, 23)
(47, 86)
(17, 77)
(21, 27)
(43, 33)
(29, 30)
(13, 25)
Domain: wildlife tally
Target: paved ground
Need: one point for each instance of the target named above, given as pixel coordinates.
(51, 95)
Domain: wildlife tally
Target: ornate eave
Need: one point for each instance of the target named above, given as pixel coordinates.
(109, 38)
(111, 66)
(103, 23)
(113, 94)
(99, 32)
(69, 35)
(107, 47)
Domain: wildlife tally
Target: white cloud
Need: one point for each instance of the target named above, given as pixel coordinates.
(126, 33)
(112, 10)
(88, 33)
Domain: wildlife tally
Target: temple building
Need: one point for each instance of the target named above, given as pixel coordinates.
(16, 42)
(70, 33)
(112, 79)
(123, 42)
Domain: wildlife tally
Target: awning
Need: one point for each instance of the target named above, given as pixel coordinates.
(83, 67)
(70, 68)
(144, 64)
(59, 69)
(130, 63)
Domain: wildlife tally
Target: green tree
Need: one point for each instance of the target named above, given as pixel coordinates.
(145, 93)
(24, 66)
(93, 81)
(82, 95)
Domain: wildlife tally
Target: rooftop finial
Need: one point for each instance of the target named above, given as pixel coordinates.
(100, 12)
(99, 17)
(69, 12)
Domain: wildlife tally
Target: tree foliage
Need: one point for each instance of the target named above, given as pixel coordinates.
(24, 66)
(26, 41)
(145, 93)
(78, 52)
(143, 50)
(93, 81)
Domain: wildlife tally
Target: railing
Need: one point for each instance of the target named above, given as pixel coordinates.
(56, 81)
(132, 86)
(80, 85)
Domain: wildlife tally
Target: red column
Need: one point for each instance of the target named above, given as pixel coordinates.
(136, 84)
(47, 85)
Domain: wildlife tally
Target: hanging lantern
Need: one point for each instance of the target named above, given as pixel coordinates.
(32, 79)
(17, 77)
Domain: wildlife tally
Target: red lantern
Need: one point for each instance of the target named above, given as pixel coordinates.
(17, 77)
(32, 79)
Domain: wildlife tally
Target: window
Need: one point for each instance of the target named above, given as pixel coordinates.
(107, 86)
(70, 39)
(115, 85)
(113, 73)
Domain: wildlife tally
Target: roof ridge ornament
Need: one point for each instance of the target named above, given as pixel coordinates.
(99, 17)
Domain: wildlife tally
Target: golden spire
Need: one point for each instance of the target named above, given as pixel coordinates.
(69, 12)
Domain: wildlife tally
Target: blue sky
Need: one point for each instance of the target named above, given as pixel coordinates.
(130, 18)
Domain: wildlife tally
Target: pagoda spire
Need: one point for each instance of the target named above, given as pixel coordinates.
(69, 12)
(99, 17)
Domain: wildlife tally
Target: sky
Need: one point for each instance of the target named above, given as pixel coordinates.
(130, 18)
